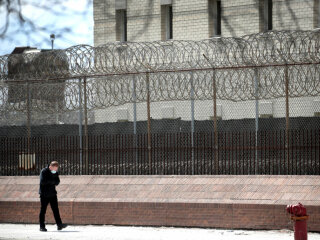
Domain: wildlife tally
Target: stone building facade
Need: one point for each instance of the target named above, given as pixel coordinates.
(195, 20)
(153, 20)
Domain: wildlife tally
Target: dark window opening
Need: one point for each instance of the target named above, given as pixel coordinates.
(218, 18)
(124, 25)
(215, 13)
(170, 22)
(121, 25)
(269, 15)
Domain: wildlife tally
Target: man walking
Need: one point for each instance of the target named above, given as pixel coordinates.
(49, 178)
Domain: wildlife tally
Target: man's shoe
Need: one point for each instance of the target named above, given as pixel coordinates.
(61, 226)
(43, 229)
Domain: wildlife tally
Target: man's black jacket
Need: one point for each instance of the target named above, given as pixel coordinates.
(48, 182)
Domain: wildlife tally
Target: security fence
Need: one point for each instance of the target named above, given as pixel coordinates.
(246, 105)
(171, 153)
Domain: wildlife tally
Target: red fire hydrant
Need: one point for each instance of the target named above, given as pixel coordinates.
(299, 216)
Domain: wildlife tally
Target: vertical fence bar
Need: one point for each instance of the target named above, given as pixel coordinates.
(269, 152)
(118, 162)
(225, 151)
(122, 150)
(250, 154)
(2, 157)
(158, 155)
(185, 151)
(287, 116)
(85, 110)
(70, 150)
(168, 151)
(260, 162)
(212, 152)
(80, 126)
(149, 122)
(113, 153)
(300, 151)
(93, 149)
(5, 156)
(134, 118)
(265, 152)
(273, 152)
(284, 152)
(106, 154)
(296, 150)
(68, 153)
(257, 115)
(140, 154)
(195, 163)
(278, 144)
(303, 152)
(314, 151)
(74, 154)
(243, 152)
(291, 151)
(237, 152)
(101, 155)
(201, 152)
(192, 120)
(231, 151)
(28, 122)
(215, 123)
(109, 154)
(177, 139)
(8, 156)
(147, 165)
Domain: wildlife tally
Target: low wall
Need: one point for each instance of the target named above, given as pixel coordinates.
(247, 202)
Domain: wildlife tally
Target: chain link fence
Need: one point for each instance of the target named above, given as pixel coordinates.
(245, 105)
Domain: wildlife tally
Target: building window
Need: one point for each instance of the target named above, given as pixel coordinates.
(265, 15)
(121, 25)
(166, 22)
(316, 15)
(214, 9)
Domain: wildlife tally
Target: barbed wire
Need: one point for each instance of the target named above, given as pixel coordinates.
(49, 81)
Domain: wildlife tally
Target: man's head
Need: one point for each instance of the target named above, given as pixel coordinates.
(54, 165)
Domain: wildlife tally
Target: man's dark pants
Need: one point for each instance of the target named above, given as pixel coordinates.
(54, 206)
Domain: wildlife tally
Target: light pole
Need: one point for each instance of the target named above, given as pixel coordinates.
(52, 37)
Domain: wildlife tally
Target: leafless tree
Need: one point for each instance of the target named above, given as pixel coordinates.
(14, 22)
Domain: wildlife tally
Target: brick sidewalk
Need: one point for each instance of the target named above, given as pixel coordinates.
(245, 202)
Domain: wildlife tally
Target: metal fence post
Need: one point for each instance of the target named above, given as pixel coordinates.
(80, 125)
(286, 78)
(192, 121)
(256, 119)
(286, 75)
(28, 119)
(85, 125)
(135, 116)
(149, 121)
(215, 123)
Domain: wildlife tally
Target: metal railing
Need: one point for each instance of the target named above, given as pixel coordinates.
(171, 153)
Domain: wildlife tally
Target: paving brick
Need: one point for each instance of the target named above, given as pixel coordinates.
(256, 202)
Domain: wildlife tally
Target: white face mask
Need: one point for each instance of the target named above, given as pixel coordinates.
(53, 171)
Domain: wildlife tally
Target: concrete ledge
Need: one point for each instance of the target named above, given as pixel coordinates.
(247, 202)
